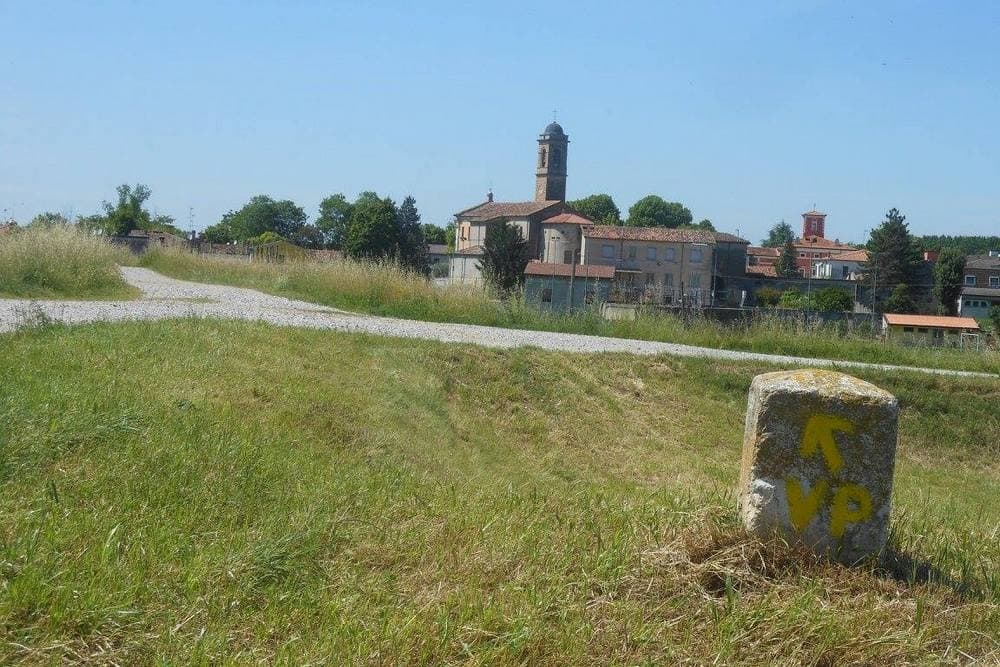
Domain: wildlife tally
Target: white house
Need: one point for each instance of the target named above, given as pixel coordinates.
(844, 266)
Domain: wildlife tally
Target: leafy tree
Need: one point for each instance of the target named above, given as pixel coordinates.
(435, 234)
(900, 300)
(308, 236)
(505, 256)
(893, 258)
(779, 235)
(449, 235)
(263, 214)
(994, 319)
(949, 272)
(334, 219)
(832, 299)
(218, 233)
(967, 245)
(161, 222)
(373, 232)
(412, 251)
(599, 208)
(793, 298)
(786, 267)
(653, 211)
(49, 219)
(126, 214)
(706, 224)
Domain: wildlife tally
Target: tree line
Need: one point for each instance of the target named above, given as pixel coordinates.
(650, 211)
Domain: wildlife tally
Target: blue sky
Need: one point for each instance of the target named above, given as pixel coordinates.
(745, 114)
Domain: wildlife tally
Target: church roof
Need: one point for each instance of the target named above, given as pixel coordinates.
(553, 128)
(491, 210)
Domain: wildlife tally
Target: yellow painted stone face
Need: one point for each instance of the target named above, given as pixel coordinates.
(818, 459)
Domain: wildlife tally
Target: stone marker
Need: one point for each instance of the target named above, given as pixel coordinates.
(818, 456)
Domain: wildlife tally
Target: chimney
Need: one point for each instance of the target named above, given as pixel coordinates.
(489, 195)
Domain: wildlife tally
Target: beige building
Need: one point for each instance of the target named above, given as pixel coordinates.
(659, 264)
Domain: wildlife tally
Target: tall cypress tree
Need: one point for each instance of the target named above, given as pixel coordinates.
(412, 244)
(505, 256)
(892, 255)
(949, 274)
(786, 266)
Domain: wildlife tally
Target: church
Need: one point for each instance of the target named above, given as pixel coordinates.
(551, 228)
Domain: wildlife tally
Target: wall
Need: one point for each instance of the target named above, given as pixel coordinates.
(561, 291)
(557, 239)
(465, 269)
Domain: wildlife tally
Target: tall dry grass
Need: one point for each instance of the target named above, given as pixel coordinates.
(61, 262)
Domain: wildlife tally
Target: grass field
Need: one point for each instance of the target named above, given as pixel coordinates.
(61, 263)
(203, 491)
(383, 290)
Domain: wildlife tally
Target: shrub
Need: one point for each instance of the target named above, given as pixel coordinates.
(833, 299)
(768, 296)
(60, 261)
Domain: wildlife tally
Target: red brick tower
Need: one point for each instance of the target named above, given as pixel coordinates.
(813, 224)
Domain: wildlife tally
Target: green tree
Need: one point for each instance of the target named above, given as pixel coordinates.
(308, 236)
(334, 219)
(449, 235)
(49, 219)
(994, 319)
(706, 224)
(435, 234)
(949, 273)
(412, 252)
(786, 266)
(768, 296)
(779, 235)
(505, 256)
(900, 301)
(263, 214)
(654, 211)
(892, 256)
(832, 299)
(600, 208)
(373, 232)
(217, 233)
(126, 214)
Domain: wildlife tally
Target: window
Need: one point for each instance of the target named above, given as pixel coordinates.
(844, 271)
(907, 329)
(567, 256)
(541, 157)
(608, 251)
(651, 253)
(547, 295)
(695, 254)
(696, 281)
(970, 280)
(668, 254)
(994, 281)
(650, 279)
(938, 333)
(631, 252)
(921, 329)
(668, 280)
(802, 254)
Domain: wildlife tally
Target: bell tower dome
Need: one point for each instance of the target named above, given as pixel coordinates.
(550, 173)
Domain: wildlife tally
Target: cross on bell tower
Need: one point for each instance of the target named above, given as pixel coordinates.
(550, 174)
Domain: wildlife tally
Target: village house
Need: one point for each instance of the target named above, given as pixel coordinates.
(563, 287)
(842, 266)
(981, 288)
(932, 330)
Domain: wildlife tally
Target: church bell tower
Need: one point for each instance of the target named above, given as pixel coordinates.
(550, 175)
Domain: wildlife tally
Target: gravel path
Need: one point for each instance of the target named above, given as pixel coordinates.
(167, 298)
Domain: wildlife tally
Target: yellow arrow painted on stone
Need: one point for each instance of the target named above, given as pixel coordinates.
(818, 434)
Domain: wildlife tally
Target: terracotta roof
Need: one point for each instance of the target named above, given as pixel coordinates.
(491, 210)
(472, 250)
(568, 219)
(536, 268)
(850, 256)
(763, 270)
(662, 234)
(437, 249)
(982, 262)
(761, 251)
(820, 242)
(938, 321)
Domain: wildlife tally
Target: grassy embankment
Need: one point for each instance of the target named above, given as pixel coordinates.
(383, 290)
(202, 491)
(61, 263)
